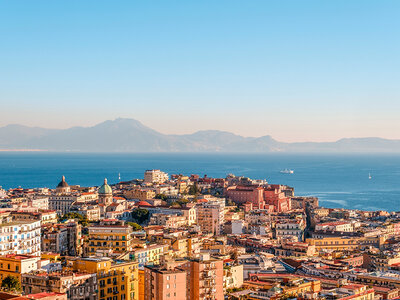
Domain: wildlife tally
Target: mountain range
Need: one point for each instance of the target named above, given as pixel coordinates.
(129, 135)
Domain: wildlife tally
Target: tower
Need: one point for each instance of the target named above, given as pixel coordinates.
(63, 187)
(105, 194)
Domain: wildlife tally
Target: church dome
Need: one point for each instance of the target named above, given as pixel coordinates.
(105, 189)
(63, 183)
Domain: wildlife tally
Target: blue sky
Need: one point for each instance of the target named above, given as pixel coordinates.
(296, 70)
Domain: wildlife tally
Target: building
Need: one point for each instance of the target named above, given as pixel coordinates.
(15, 265)
(19, 237)
(161, 283)
(105, 194)
(247, 194)
(77, 285)
(296, 249)
(65, 238)
(155, 176)
(290, 228)
(63, 199)
(110, 238)
(345, 243)
(45, 216)
(190, 213)
(349, 291)
(210, 216)
(140, 194)
(205, 278)
(151, 254)
(39, 202)
(275, 195)
(117, 280)
(233, 275)
(90, 212)
(170, 221)
(340, 226)
(272, 197)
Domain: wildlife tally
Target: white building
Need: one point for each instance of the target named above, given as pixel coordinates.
(237, 226)
(290, 228)
(62, 200)
(155, 176)
(19, 237)
(340, 226)
(39, 202)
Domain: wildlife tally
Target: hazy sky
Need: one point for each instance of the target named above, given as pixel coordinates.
(296, 70)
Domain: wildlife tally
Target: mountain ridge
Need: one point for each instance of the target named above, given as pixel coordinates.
(130, 135)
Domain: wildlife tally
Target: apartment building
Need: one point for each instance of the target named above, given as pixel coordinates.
(77, 285)
(155, 176)
(190, 213)
(162, 283)
(140, 193)
(16, 264)
(116, 280)
(19, 237)
(65, 239)
(290, 228)
(151, 254)
(110, 238)
(339, 226)
(210, 216)
(205, 278)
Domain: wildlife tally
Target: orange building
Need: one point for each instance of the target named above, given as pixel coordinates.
(205, 278)
(162, 283)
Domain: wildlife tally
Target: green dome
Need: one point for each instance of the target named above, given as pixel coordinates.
(105, 188)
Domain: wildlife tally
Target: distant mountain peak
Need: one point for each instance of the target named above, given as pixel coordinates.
(130, 135)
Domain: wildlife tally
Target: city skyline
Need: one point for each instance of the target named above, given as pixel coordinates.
(308, 71)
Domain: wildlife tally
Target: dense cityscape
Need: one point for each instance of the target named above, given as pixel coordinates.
(192, 237)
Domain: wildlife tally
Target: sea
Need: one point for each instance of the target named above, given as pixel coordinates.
(337, 180)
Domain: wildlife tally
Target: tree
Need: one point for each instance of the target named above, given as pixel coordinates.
(194, 189)
(74, 215)
(161, 196)
(11, 283)
(182, 201)
(140, 214)
(135, 226)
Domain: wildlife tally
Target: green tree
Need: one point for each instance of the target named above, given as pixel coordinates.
(194, 189)
(161, 196)
(11, 283)
(135, 226)
(182, 201)
(140, 214)
(74, 215)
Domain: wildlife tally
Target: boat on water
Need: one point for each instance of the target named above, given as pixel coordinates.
(287, 171)
(369, 176)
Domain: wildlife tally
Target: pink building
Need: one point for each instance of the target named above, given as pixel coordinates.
(247, 194)
(271, 197)
(162, 283)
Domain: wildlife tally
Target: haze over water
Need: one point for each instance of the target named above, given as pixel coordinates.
(338, 180)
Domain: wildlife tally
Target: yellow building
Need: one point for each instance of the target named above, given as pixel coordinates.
(286, 284)
(110, 238)
(117, 280)
(17, 264)
(141, 194)
(53, 257)
(344, 243)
